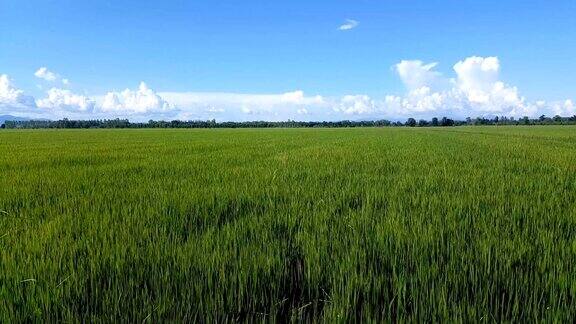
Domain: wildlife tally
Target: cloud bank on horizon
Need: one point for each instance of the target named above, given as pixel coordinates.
(474, 91)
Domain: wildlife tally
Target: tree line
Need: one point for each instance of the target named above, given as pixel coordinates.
(410, 122)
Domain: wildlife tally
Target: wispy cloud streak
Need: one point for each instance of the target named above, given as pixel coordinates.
(349, 24)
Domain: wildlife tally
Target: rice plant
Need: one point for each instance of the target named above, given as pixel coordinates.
(474, 224)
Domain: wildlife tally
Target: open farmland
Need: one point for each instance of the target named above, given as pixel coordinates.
(466, 223)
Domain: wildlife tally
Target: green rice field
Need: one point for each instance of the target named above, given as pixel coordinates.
(459, 224)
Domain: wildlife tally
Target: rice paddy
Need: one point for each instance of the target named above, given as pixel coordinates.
(474, 224)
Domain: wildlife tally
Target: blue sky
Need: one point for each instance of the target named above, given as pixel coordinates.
(275, 59)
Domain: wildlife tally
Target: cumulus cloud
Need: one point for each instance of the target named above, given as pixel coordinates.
(355, 105)
(143, 100)
(476, 90)
(12, 98)
(44, 73)
(416, 74)
(477, 76)
(472, 89)
(298, 98)
(566, 108)
(349, 24)
(62, 99)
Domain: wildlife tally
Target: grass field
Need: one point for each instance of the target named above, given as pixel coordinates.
(469, 223)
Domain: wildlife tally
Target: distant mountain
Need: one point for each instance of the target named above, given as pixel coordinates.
(4, 118)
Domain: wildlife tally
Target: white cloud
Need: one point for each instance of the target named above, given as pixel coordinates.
(11, 98)
(349, 24)
(181, 99)
(249, 111)
(215, 110)
(356, 105)
(477, 74)
(298, 98)
(62, 99)
(415, 74)
(44, 73)
(478, 80)
(53, 77)
(476, 91)
(141, 101)
(566, 108)
(472, 89)
(240, 106)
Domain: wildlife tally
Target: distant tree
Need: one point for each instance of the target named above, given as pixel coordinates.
(526, 120)
(382, 122)
(446, 122)
(542, 118)
(411, 122)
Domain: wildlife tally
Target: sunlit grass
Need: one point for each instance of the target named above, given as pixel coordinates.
(472, 224)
